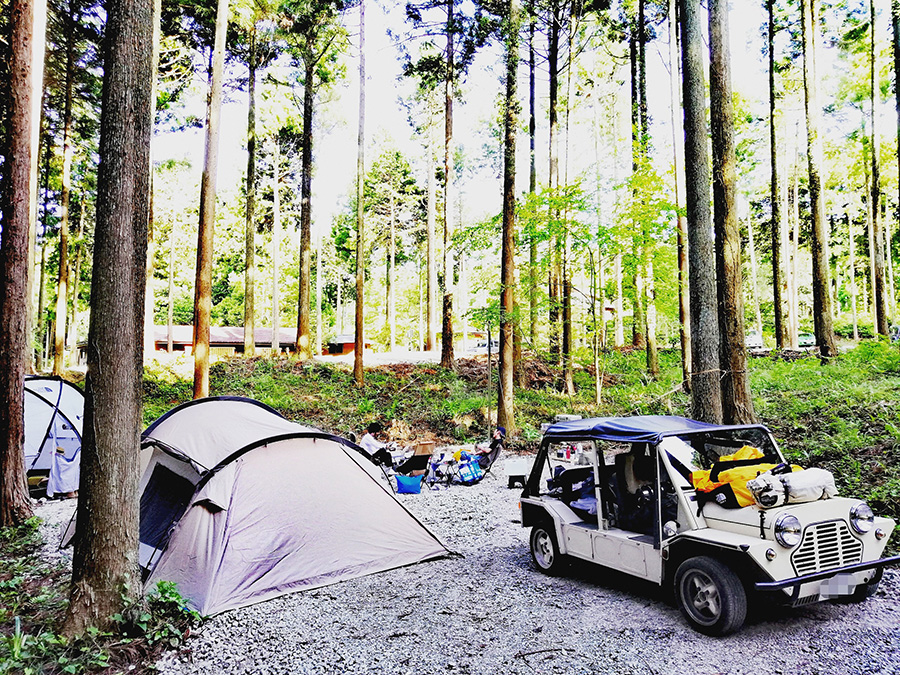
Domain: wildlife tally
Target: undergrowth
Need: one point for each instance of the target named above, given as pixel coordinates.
(33, 599)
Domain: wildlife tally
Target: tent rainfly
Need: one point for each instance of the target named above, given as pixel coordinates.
(240, 505)
(54, 410)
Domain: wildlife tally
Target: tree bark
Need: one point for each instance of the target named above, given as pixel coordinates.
(432, 281)
(447, 358)
(250, 222)
(684, 313)
(358, 373)
(706, 395)
(62, 286)
(105, 575)
(532, 177)
(554, 280)
(881, 308)
(775, 191)
(505, 407)
(203, 283)
(20, 156)
(303, 338)
(275, 345)
(822, 307)
(737, 401)
(853, 290)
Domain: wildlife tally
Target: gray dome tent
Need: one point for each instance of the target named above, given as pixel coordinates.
(54, 411)
(239, 505)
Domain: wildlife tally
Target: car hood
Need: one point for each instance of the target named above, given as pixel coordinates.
(748, 519)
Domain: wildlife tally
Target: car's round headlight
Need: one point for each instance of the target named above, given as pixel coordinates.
(861, 518)
(788, 532)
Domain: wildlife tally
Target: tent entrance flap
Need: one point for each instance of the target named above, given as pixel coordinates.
(163, 502)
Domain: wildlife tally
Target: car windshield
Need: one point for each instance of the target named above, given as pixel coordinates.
(700, 451)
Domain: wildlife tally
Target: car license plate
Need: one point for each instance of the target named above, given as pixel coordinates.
(838, 586)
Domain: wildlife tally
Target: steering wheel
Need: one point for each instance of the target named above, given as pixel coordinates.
(644, 495)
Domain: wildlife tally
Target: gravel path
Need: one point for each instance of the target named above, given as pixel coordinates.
(492, 612)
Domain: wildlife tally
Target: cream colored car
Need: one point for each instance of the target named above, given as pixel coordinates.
(617, 492)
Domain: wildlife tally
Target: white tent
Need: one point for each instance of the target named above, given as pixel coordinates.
(54, 410)
(239, 505)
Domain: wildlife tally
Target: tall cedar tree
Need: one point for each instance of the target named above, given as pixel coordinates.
(312, 29)
(706, 394)
(881, 301)
(464, 35)
(775, 190)
(203, 280)
(505, 409)
(21, 160)
(823, 317)
(358, 374)
(250, 211)
(895, 24)
(105, 575)
(737, 402)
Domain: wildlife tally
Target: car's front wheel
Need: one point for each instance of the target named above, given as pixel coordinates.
(710, 596)
(545, 550)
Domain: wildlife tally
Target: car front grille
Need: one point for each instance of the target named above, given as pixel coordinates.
(826, 546)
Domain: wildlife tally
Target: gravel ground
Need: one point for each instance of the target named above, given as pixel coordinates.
(490, 611)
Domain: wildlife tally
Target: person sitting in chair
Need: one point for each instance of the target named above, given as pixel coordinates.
(487, 455)
(373, 446)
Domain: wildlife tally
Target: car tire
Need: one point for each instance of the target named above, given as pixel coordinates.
(545, 550)
(710, 596)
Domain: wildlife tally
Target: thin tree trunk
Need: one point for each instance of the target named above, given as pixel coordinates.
(74, 286)
(619, 303)
(303, 305)
(822, 312)
(35, 70)
(795, 244)
(432, 276)
(554, 253)
(392, 309)
(532, 177)
(853, 291)
(652, 352)
(706, 395)
(358, 373)
(889, 262)
(276, 249)
(681, 245)
(250, 221)
(754, 278)
(170, 313)
(150, 276)
(447, 358)
(870, 228)
(203, 283)
(317, 348)
(105, 574)
(895, 42)
(774, 190)
(881, 310)
(62, 287)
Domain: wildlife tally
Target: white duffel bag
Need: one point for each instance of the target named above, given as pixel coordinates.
(806, 485)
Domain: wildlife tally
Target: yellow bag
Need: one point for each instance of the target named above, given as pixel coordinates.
(726, 482)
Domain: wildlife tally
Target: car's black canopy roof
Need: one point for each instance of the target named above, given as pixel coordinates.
(638, 429)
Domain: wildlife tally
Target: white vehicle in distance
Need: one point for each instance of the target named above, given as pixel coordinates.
(633, 507)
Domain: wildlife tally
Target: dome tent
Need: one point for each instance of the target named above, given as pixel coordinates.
(239, 505)
(54, 411)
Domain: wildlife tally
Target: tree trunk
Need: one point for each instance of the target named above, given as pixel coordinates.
(276, 249)
(150, 267)
(652, 351)
(432, 277)
(895, 24)
(447, 358)
(74, 286)
(774, 191)
(62, 287)
(532, 178)
(303, 339)
(392, 309)
(706, 395)
(822, 312)
(203, 283)
(754, 278)
(638, 320)
(15, 506)
(853, 291)
(105, 574)
(737, 401)
(170, 313)
(358, 373)
(881, 309)
(317, 347)
(35, 71)
(554, 254)
(250, 222)
(619, 301)
(681, 245)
